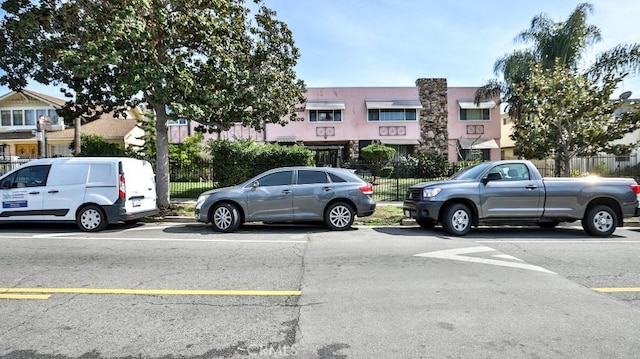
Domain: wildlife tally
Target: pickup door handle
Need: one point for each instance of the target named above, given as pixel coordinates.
(53, 191)
(34, 192)
(531, 187)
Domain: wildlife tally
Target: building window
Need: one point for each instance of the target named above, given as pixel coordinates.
(325, 115)
(6, 118)
(391, 115)
(474, 154)
(26, 117)
(467, 114)
(180, 121)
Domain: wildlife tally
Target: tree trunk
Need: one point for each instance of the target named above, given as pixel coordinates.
(76, 136)
(162, 157)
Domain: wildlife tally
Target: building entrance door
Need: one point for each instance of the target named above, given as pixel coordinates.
(27, 150)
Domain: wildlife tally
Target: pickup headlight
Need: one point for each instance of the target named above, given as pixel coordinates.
(429, 193)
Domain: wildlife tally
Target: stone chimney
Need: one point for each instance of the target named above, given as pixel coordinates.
(433, 116)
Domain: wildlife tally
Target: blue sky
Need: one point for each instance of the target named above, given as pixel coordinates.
(392, 43)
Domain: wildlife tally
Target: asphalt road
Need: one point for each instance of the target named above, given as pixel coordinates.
(180, 290)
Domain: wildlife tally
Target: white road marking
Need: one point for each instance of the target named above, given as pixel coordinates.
(148, 227)
(586, 241)
(205, 240)
(458, 254)
(506, 256)
(52, 235)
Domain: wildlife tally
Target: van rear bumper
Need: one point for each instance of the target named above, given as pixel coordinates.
(117, 214)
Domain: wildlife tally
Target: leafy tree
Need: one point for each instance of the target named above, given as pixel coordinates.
(565, 41)
(209, 61)
(95, 145)
(379, 156)
(568, 116)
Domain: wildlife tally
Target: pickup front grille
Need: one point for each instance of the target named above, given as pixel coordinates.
(413, 194)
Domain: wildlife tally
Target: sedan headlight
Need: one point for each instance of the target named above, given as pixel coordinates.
(429, 193)
(202, 198)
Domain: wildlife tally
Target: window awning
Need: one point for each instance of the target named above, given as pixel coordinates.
(399, 141)
(471, 105)
(286, 139)
(325, 105)
(391, 104)
(477, 143)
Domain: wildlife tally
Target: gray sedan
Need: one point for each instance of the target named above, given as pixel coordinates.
(289, 194)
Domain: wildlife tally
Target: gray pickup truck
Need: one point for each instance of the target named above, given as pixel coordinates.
(514, 192)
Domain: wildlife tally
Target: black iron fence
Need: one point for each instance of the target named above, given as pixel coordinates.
(189, 178)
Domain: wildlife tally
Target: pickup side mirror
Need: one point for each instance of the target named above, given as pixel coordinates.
(493, 176)
(5, 185)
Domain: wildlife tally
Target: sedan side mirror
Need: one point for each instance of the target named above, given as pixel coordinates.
(255, 184)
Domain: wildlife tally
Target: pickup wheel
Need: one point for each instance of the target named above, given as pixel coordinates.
(456, 220)
(600, 221)
(426, 223)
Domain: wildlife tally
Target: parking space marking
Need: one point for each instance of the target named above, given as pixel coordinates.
(124, 291)
(25, 296)
(618, 290)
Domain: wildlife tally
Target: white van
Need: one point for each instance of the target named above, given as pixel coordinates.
(90, 191)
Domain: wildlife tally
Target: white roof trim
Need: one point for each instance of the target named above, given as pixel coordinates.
(471, 105)
(286, 139)
(325, 105)
(391, 104)
(477, 143)
(399, 141)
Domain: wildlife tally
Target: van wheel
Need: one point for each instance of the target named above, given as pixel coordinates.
(339, 216)
(600, 221)
(225, 218)
(456, 220)
(91, 218)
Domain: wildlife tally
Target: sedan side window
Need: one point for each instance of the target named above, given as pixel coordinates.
(282, 178)
(310, 177)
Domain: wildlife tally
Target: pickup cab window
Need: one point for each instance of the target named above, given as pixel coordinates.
(512, 171)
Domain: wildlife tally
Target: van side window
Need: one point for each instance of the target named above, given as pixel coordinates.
(33, 176)
(101, 173)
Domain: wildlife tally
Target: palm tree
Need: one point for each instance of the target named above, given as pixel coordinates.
(550, 40)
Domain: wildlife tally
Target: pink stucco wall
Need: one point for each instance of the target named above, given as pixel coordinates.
(354, 125)
(458, 129)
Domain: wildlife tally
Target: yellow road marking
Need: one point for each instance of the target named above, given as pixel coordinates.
(617, 290)
(152, 291)
(25, 296)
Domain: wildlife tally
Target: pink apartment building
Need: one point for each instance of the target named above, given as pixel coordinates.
(430, 117)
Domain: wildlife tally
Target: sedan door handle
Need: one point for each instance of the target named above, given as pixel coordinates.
(54, 191)
(327, 188)
(34, 192)
(286, 191)
(531, 186)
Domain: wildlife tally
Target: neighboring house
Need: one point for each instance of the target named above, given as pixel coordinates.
(336, 122)
(21, 111)
(123, 132)
(19, 114)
